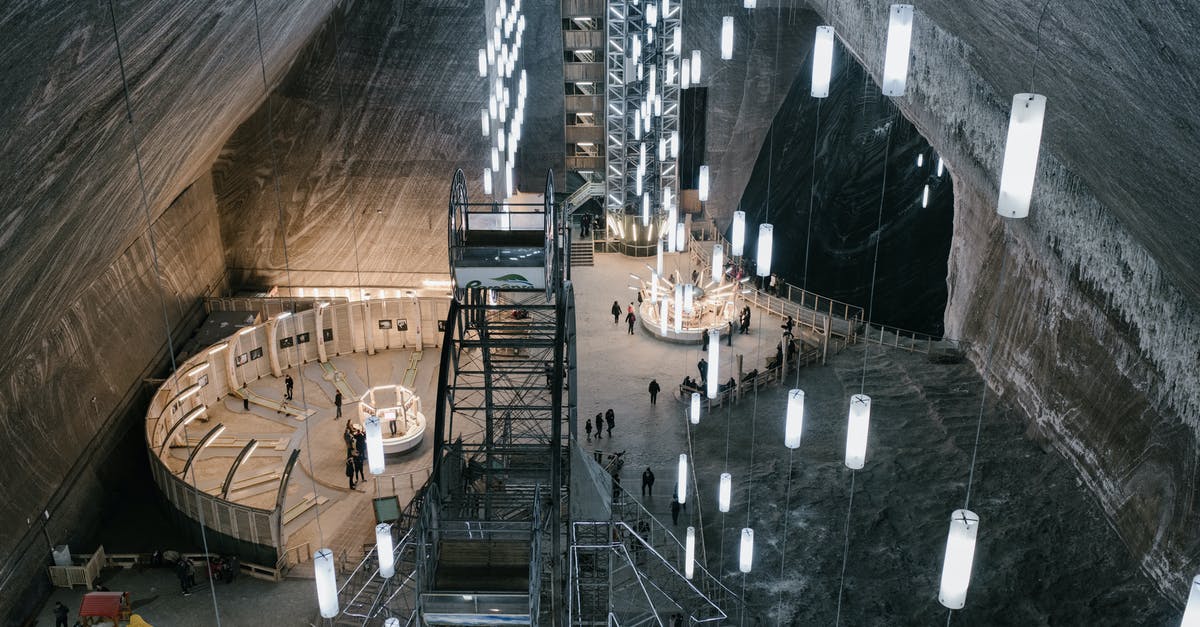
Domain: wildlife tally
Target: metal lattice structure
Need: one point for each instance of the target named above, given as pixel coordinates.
(615, 106)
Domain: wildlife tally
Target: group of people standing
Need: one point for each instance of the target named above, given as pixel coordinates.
(608, 418)
(630, 317)
(355, 438)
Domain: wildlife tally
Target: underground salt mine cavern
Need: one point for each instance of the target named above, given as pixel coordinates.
(600, 312)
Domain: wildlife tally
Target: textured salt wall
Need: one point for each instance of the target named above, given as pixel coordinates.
(1096, 342)
(77, 281)
(368, 131)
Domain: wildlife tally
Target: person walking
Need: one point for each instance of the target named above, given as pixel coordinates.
(787, 326)
(728, 335)
(360, 453)
(675, 507)
(287, 385)
(587, 426)
(599, 426)
(190, 568)
(630, 319)
(181, 571)
(702, 366)
(745, 320)
(610, 417)
(337, 403)
(350, 470)
(616, 312)
(648, 482)
(654, 390)
(60, 614)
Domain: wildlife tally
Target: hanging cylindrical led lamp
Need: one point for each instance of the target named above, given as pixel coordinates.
(681, 238)
(822, 71)
(1021, 155)
(689, 553)
(383, 549)
(374, 444)
(794, 423)
(746, 550)
(726, 38)
(662, 316)
(765, 235)
(858, 424)
(689, 298)
(737, 238)
(679, 308)
(960, 553)
(483, 63)
(940, 167)
(725, 492)
(645, 209)
(685, 74)
(899, 41)
(749, 4)
(694, 414)
(484, 121)
(714, 361)
(702, 184)
(1191, 613)
(718, 263)
(674, 144)
(659, 257)
(392, 622)
(487, 182)
(326, 583)
(696, 67)
(681, 486)
(654, 287)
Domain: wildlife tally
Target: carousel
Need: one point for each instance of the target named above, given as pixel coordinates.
(680, 309)
(398, 410)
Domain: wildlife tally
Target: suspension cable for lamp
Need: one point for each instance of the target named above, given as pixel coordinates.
(866, 348)
(812, 193)
(145, 201)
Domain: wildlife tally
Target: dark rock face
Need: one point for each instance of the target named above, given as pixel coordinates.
(367, 135)
(79, 288)
(832, 250)
(1097, 338)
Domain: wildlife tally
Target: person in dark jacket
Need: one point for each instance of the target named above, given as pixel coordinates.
(360, 453)
(648, 482)
(599, 426)
(630, 319)
(675, 507)
(60, 615)
(610, 417)
(702, 366)
(587, 426)
(287, 384)
(616, 312)
(654, 390)
(337, 402)
(350, 470)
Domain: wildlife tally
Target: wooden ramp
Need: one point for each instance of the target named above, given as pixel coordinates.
(410, 375)
(280, 407)
(338, 378)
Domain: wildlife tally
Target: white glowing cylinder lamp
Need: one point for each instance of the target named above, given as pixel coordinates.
(794, 425)
(392, 622)
(940, 167)
(746, 550)
(1191, 613)
(654, 287)
(702, 185)
(645, 209)
(662, 317)
(696, 67)
(765, 236)
(899, 41)
(662, 149)
(822, 62)
(718, 263)
(725, 492)
(484, 121)
(326, 583)
(674, 144)
(383, 549)
(680, 237)
(920, 160)
(495, 160)
(689, 550)
(727, 37)
(960, 553)
(856, 431)
(487, 181)
(678, 308)
(694, 415)
(738, 236)
(685, 74)
(659, 259)
(482, 62)
(681, 489)
(749, 4)
(1021, 155)
(374, 444)
(689, 298)
(714, 361)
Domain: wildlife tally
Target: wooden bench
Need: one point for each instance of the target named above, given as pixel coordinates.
(298, 508)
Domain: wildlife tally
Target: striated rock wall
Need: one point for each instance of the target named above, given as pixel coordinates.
(1095, 339)
(79, 290)
(367, 135)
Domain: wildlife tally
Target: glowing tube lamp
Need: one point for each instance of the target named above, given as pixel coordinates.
(654, 287)
(374, 444)
(685, 74)
(689, 298)
(393, 621)
(714, 361)
(679, 308)
(1021, 155)
(765, 233)
(856, 431)
(960, 553)
(725, 492)
(383, 549)
(482, 63)
(925, 197)
(749, 4)
(794, 426)
(484, 122)
(1191, 613)
(681, 237)
(895, 63)
(727, 37)
(487, 181)
(822, 62)
(674, 144)
(694, 415)
(659, 259)
(645, 209)
(689, 559)
(746, 550)
(696, 67)
(940, 167)
(738, 236)
(718, 263)
(702, 185)
(326, 583)
(681, 488)
(920, 160)
(662, 317)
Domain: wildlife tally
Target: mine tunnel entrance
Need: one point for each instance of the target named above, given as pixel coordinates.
(827, 208)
